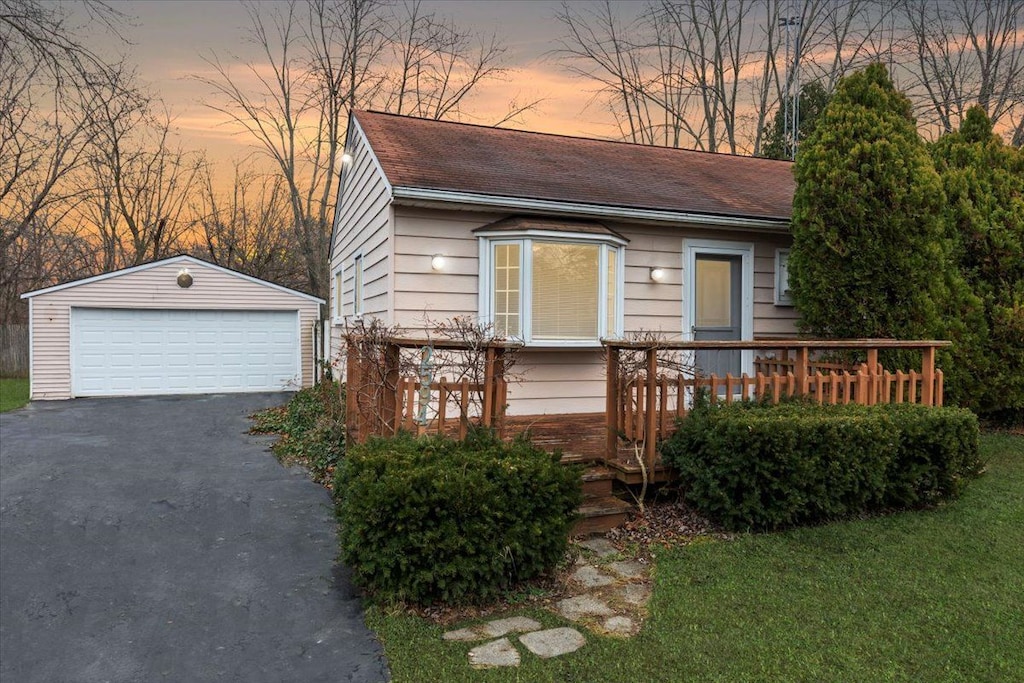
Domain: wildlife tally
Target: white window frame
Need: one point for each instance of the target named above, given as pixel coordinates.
(358, 284)
(338, 296)
(782, 289)
(525, 240)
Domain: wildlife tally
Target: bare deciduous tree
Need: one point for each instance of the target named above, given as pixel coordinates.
(48, 105)
(964, 52)
(315, 65)
(49, 250)
(139, 182)
(243, 228)
(709, 75)
(319, 61)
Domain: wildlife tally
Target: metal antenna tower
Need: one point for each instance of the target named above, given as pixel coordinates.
(791, 100)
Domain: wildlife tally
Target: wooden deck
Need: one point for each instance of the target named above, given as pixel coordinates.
(581, 437)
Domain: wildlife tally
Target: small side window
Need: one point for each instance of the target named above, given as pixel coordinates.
(339, 288)
(357, 285)
(782, 294)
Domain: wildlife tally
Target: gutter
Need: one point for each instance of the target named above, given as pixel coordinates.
(418, 195)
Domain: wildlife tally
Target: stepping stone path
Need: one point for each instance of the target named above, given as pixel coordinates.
(613, 595)
(553, 642)
(499, 653)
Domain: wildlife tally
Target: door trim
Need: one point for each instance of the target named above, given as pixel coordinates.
(745, 250)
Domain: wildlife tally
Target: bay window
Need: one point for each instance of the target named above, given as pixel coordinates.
(552, 290)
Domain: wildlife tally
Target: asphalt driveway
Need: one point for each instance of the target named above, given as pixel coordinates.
(152, 539)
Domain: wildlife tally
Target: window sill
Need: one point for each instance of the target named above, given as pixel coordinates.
(569, 345)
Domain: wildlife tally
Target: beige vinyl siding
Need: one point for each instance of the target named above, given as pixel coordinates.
(422, 294)
(153, 288)
(565, 380)
(362, 227)
(557, 381)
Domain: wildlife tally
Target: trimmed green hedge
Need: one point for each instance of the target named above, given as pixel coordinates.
(758, 466)
(436, 520)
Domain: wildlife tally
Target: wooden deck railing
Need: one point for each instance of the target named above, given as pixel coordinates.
(386, 393)
(642, 406)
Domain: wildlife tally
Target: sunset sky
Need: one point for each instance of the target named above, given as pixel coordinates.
(169, 40)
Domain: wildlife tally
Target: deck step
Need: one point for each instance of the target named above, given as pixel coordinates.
(598, 515)
(597, 481)
(631, 474)
(580, 459)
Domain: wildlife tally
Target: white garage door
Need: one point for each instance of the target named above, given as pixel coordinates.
(125, 352)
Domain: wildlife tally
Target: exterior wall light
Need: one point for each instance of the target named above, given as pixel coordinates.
(184, 278)
(657, 274)
(437, 262)
(346, 158)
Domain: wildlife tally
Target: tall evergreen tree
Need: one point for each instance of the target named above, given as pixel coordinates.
(869, 253)
(776, 143)
(984, 185)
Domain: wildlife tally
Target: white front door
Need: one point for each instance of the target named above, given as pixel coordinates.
(132, 352)
(718, 301)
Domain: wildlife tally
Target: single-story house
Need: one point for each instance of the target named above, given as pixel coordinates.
(179, 325)
(558, 242)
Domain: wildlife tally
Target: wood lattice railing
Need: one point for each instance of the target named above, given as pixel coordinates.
(642, 406)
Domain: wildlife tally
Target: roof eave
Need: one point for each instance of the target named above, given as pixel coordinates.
(430, 196)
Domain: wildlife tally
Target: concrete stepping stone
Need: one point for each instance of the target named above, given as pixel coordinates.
(619, 625)
(462, 634)
(602, 547)
(590, 577)
(628, 569)
(635, 594)
(580, 606)
(553, 642)
(494, 629)
(501, 627)
(490, 655)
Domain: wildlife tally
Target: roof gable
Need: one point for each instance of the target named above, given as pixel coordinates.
(183, 259)
(464, 158)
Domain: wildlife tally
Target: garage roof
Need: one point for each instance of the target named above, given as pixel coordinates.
(183, 259)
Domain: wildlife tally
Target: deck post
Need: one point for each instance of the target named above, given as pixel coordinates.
(874, 379)
(611, 402)
(803, 362)
(500, 394)
(488, 407)
(353, 423)
(928, 376)
(388, 398)
(651, 418)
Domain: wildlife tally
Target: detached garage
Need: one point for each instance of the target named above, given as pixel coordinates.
(176, 326)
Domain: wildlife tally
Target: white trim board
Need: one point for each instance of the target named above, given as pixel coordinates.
(416, 194)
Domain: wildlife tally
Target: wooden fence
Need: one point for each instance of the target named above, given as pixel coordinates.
(14, 350)
(643, 407)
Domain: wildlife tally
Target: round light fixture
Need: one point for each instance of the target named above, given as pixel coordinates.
(437, 262)
(657, 274)
(184, 278)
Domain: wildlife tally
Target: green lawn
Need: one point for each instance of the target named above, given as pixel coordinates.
(13, 393)
(924, 596)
